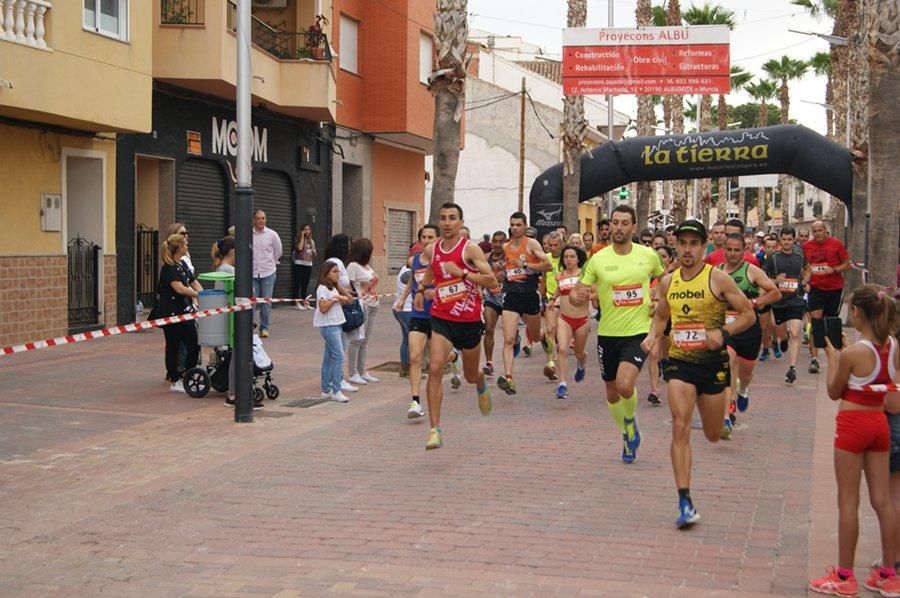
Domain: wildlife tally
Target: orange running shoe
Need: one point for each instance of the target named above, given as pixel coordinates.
(833, 584)
(889, 587)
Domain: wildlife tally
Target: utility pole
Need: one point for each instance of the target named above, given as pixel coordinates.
(522, 148)
(243, 213)
(609, 116)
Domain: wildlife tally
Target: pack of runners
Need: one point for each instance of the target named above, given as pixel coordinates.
(701, 315)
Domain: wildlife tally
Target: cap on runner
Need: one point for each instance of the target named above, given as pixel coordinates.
(691, 226)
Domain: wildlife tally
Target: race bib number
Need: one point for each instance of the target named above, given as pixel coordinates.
(689, 337)
(788, 285)
(628, 295)
(453, 290)
(818, 268)
(420, 275)
(730, 316)
(516, 274)
(567, 284)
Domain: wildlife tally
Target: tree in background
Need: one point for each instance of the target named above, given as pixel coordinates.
(762, 91)
(739, 78)
(708, 14)
(820, 63)
(884, 139)
(574, 129)
(676, 108)
(646, 119)
(448, 85)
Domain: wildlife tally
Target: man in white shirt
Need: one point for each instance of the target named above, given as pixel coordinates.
(266, 253)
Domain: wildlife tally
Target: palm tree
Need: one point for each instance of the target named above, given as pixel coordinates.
(574, 129)
(739, 78)
(707, 14)
(884, 73)
(448, 85)
(646, 118)
(676, 106)
(785, 70)
(821, 66)
(762, 91)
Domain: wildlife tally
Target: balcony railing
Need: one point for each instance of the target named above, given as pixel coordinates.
(181, 12)
(22, 21)
(288, 45)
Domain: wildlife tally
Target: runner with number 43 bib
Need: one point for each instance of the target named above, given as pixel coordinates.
(622, 273)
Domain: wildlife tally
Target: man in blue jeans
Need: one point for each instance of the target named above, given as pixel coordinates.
(266, 253)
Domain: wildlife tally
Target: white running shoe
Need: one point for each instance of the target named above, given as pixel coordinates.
(358, 380)
(415, 410)
(326, 396)
(369, 377)
(347, 387)
(339, 397)
(177, 386)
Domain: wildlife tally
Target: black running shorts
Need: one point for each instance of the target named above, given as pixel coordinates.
(747, 343)
(709, 378)
(524, 304)
(828, 301)
(785, 314)
(463, 335)
(613, 350)
(420, 325)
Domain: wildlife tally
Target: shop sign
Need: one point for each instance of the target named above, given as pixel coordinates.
(224, 140)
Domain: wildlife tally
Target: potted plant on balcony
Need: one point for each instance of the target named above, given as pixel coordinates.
(315, 37)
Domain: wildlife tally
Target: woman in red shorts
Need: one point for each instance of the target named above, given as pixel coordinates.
(862, 438)
(573, 321)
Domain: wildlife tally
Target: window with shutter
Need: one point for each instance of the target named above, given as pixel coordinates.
(399, 238)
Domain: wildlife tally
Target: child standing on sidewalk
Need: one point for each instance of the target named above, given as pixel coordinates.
(328, 319)
(862, 438)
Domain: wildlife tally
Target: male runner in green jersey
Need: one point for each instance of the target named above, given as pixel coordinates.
(622, 273)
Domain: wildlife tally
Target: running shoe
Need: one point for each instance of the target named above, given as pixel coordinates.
(886, 586)
(527, 350)
(518, 346)
(562, 392)
(833, 584)
(764, 355)
(488, 369)
(687, 514)
(548, 345)
(727, 428)
(506, 385)
(435, 440)
(550, 371)
(264, 333)
(415, 410)
(791, 375)
(814, 366)
(579, 370)
(628, 455)
(632, 434)
(653, 399)
(455, 382)
(484, 398)
(743, 400)
(777, 351)
(805, 339)
(783, 345)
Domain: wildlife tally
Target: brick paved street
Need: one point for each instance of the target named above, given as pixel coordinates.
(112, 485)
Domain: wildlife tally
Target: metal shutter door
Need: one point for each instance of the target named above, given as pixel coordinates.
(202, 206)
(273, 193)
(399, 238)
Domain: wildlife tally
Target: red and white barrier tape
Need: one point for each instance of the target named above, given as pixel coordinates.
(241, 304)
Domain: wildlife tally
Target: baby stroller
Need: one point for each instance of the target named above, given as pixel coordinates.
(198, 380)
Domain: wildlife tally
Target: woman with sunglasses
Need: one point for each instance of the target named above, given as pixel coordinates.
(178, 228)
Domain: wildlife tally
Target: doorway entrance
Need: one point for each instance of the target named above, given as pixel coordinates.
(83, 188)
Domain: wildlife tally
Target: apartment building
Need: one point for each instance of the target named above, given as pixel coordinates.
(385, 116)
(182, 170)
(73, 75)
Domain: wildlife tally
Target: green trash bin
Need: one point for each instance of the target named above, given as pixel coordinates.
(227, 283)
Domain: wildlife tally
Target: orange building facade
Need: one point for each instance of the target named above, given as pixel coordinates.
(384, 122)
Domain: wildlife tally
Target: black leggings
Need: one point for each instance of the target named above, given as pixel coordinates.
(176, 334)
(301, 281)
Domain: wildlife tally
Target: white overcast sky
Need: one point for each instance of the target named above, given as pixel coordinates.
(761, 34)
